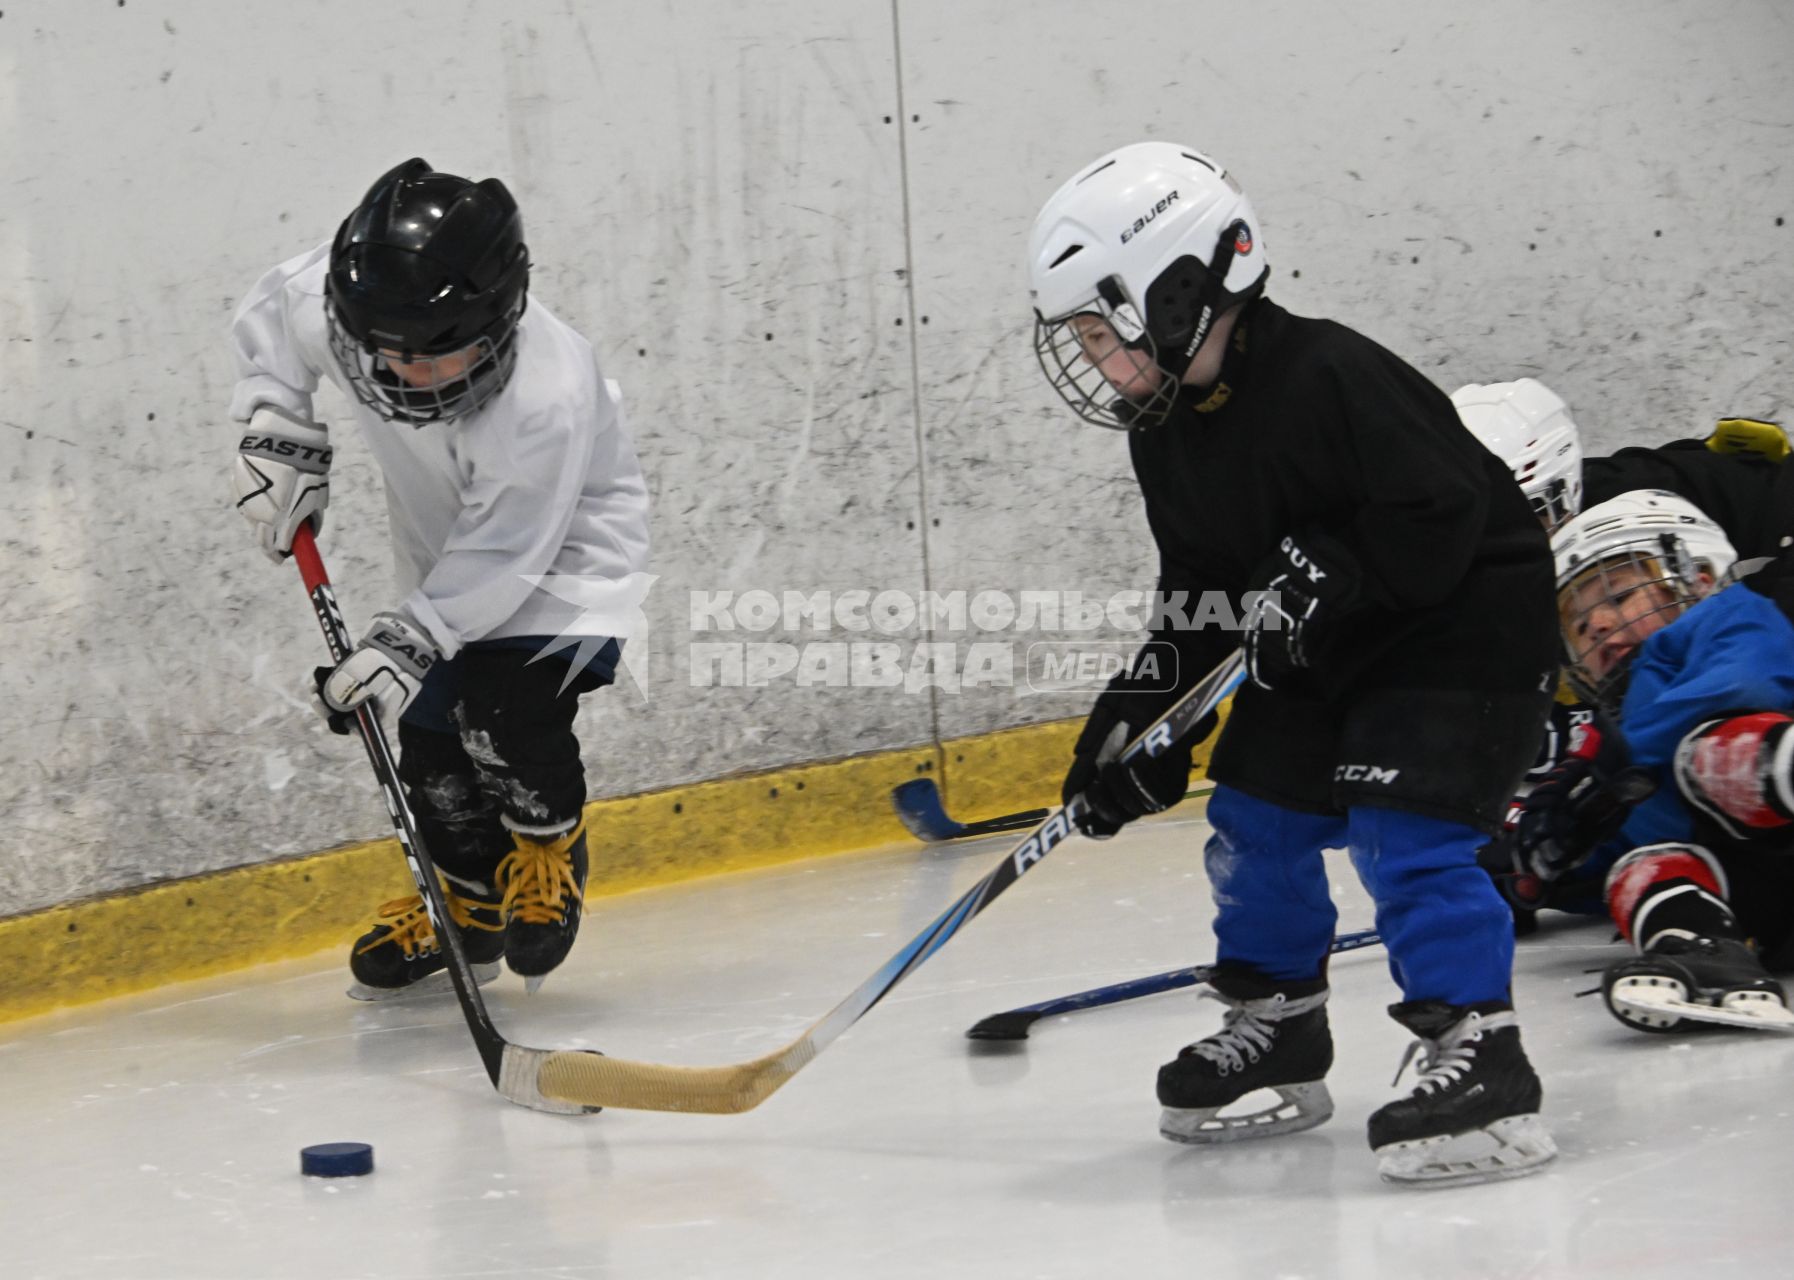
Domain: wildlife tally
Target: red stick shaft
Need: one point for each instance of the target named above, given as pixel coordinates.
(311, 564)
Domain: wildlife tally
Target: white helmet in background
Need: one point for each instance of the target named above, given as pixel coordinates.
(1528, 426)
(1626, 568)
(1133, 260)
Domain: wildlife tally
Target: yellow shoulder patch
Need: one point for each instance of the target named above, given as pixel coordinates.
(1749, 435)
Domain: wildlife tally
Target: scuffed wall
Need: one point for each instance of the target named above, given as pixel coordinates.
(1591, 194)
(794, 233)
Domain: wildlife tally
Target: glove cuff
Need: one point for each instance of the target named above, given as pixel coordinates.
(399, 637)
(1140, 800)
(1323, 567)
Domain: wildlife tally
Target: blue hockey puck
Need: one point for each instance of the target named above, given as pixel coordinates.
(337, 1160)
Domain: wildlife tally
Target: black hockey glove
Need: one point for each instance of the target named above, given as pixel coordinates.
(1303, 592)
(1116, 793)
(1562, 726)
(1580, 804)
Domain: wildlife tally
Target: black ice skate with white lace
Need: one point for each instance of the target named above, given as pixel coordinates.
(1275, 1037)
(1474, 1113)
(1681, 981)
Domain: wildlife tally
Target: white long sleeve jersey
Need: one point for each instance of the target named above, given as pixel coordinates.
(541, 480)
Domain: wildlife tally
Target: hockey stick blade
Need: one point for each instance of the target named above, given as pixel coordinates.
(1013, 1024)
(592, 1079)
(511, 1068)
(919, 808)
(1008, 1026)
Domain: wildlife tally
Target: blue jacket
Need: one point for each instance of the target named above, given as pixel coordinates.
(1732, 652)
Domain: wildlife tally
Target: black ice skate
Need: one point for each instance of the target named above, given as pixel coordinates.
(400, 954)
(1275, 1037)
(543, 879)
(1474, 1114)
(1701, 981)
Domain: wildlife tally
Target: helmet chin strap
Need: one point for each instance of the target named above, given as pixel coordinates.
(1208, 302)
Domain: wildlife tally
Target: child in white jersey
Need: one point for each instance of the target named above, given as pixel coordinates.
(506, 461)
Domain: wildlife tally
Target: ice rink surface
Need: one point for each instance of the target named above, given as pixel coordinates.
(159, 1136)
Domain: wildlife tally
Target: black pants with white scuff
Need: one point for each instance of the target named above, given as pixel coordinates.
(488, 746)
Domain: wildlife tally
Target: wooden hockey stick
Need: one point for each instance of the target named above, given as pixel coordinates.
(592, 1079)
(511, 1068)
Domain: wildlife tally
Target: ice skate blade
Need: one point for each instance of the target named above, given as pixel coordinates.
(1653, 1003)
(533, 983)
(1511, 1147)
(436, 984)
(1299, 1107)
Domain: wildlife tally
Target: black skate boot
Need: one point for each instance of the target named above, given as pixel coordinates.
(400, 954)
(543, 879)
(1701, 981)
(1275, 1037)
(1474, 1114)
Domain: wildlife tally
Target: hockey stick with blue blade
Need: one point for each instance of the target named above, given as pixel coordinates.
(919, 808)
(592, 1079)
(1013, 1024)
(510, 1067)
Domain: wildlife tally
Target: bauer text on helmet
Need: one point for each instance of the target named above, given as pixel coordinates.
(1130, 265)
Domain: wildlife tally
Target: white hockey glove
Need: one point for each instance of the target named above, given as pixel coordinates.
(281, 478)
(390, 664)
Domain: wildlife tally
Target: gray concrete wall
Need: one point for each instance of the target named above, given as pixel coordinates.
(794, 233)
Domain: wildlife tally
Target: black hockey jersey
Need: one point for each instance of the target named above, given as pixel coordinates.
(1749, 497)
(1316, 430)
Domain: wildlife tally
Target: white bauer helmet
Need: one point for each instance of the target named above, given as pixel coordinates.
(1606, 556)
(1528, 426)
(1156, 239)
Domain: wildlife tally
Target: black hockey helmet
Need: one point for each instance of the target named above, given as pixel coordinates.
(428, 265)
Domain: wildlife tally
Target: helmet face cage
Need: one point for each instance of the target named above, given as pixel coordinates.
(1552, 481)
(1555, 501)
(374, 382)
(1626, 568)
(1071, 348)
(1182, 305)
(1638, 590)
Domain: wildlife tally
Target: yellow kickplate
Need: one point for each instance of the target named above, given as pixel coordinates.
(194, 928)
(994, 774)
(226, 920)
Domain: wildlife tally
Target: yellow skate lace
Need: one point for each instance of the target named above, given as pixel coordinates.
(409, 923)
(538, 878)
